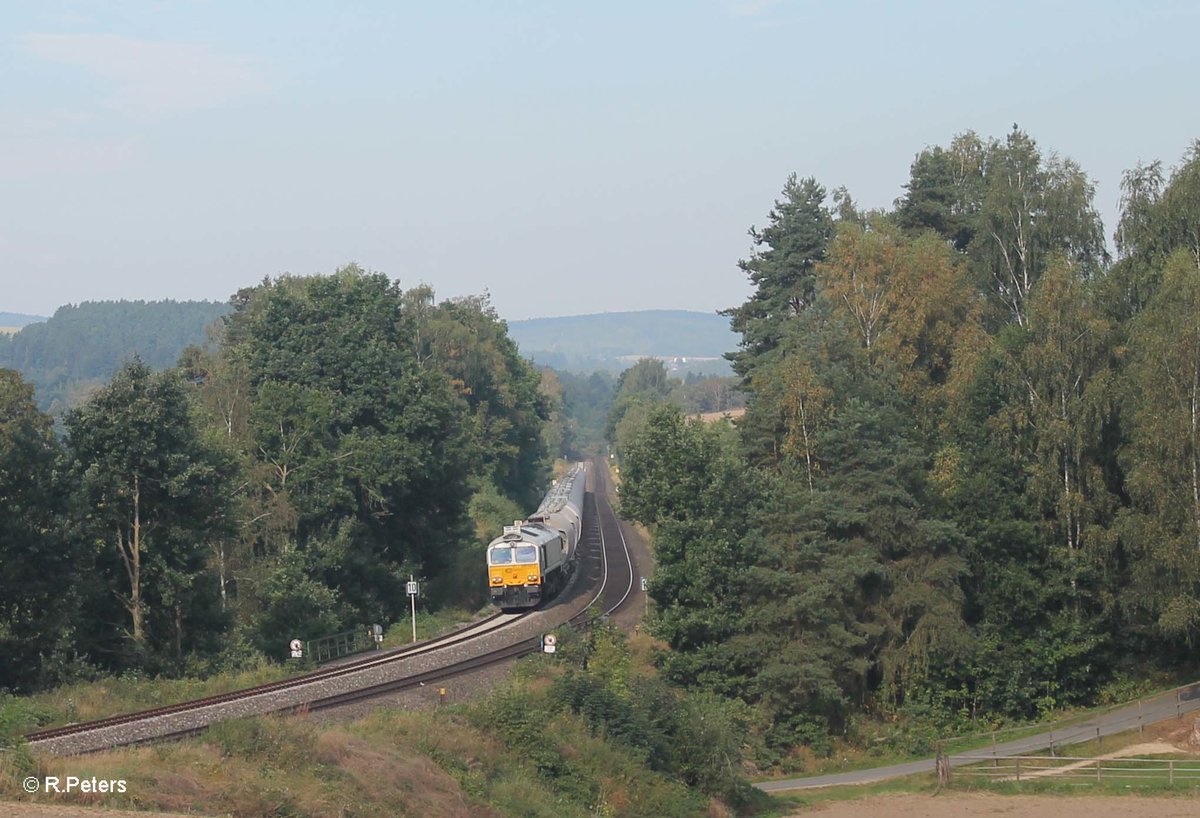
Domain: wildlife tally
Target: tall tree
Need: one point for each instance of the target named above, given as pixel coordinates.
(945, 191)
(157, 495)
(374, 414)
(39, 593)
(1162, 527)
(782, 271)
(1033, 209)
(1061, 391)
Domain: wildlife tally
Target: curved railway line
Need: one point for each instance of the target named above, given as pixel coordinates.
(604, 563)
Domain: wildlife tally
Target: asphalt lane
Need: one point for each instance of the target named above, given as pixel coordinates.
(1169, 705)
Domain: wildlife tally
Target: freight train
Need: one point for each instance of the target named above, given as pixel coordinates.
(533, 559)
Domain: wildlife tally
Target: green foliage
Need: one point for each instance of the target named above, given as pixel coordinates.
(639, 387)
(43, 568)
(694, 740)
(782, 270)
(586, 403)
(284, 481)
(81, 346)
(971, 447)
(1161, 527)
(371, 415)
(156, 493)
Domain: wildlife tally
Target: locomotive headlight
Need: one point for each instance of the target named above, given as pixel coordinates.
(532, 577)
(497, 580)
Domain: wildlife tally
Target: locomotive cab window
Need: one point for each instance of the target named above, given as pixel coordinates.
(510, 555)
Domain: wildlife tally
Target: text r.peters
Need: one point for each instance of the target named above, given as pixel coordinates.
(74, 783)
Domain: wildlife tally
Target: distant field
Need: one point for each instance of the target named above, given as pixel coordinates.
(9, 330)
(728, 414)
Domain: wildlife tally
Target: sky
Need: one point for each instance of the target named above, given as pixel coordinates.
(564, 157)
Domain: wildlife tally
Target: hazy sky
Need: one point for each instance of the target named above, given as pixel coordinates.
(567, 157)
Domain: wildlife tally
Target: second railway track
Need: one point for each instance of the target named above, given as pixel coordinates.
(606, 565)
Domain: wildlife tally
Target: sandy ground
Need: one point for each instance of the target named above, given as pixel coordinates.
(10, 810)
(1011, 806)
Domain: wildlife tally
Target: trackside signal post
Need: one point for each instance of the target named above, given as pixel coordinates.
(412, 589)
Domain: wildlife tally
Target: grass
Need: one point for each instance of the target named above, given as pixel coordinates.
(112, 695)
(869, 752)
(1133, 776)
(923, 784)
(429, 625)
(391, 763)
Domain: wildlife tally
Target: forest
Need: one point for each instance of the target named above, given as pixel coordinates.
(75, 351)
(283, 481)
(967, 485)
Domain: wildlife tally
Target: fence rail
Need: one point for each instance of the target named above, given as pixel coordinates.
(327, 648)
(1075, 769)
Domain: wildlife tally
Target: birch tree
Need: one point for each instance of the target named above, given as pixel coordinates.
(1163, 455)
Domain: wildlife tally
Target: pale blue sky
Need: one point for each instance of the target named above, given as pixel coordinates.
(567, 157)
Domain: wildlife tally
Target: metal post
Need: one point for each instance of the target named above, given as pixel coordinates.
(995, 760)
(1097, 739)
(412, 598)
(1141, 727)
(1171, 771)
(1018, 759)
(1097, 771)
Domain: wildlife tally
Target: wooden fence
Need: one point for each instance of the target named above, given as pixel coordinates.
(1023, 768)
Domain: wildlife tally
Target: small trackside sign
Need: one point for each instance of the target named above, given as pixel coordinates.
(297, 648)
(549, 643)
(412, 588)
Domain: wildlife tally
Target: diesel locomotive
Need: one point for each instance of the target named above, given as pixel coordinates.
(533, 559)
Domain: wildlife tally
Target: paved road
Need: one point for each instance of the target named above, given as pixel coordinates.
(1166, 706)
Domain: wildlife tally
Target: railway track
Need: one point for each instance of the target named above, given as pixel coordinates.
(607, 562)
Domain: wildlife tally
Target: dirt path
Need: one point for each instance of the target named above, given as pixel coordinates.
(1011, 806)
(9, 809)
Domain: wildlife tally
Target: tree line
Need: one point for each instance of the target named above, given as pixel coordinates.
(967, 484)
(284, 481)
(76, 350)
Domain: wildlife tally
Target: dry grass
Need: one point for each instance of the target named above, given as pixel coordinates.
(276, 766)
(713, 417)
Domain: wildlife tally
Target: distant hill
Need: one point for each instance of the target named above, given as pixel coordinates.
(614, 340)
(16, 320)
(80, 346)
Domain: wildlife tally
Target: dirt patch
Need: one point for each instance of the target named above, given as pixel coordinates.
(713, 417)
(11, 810)
(1156, 748)
(1010, 806)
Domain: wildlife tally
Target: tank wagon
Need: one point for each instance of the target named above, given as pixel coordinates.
(533, 559)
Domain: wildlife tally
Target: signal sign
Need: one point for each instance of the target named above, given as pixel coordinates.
(549, 643)
(297, 648)
(411, 588)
